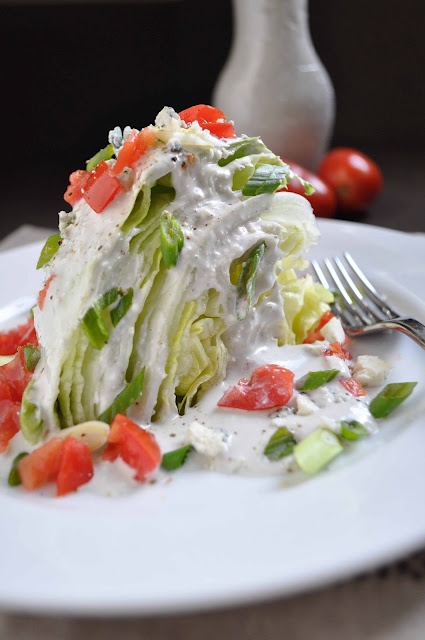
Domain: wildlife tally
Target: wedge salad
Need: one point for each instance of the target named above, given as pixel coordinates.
(178, 325)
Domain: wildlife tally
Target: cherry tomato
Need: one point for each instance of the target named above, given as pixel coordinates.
(355, 178)
(323, 200)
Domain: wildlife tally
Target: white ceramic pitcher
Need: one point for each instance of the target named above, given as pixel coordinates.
(274, 84)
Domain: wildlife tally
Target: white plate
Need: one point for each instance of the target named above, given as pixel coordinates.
(207, 540)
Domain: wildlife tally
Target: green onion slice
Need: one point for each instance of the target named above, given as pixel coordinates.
(265, 179)
(390, 398)
(241, 149)
(176, 458)
(281, 444)
(50, 248)
(308, 187)
(353, 430)
(172, 239)
(107, 299)
(13, 479)
(95, 328)
(314, 379)
(118, 312)
(125, 398)
(317, 450)
(94, 321)
(104, 154)
(31, 357)
(32, 425)
(246, 284)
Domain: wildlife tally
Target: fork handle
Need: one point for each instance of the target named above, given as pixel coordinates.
(411, 327)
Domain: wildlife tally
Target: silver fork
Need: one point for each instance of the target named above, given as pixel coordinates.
(360, 306)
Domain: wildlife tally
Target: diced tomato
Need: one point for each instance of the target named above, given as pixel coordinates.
(43, 293)
(111, 452)
(209, 118)
(77, 180)
(136, 446)
(270, 386)
(16, 376)
(9, 422)
(220, 129)
(18, 337)
(101, 188)
(339, 350)
(76, 467)
(66, 461)
(353, 386)
(314, 334)
(202, 113)
(4, 388)
(133, 149)
(41, 465)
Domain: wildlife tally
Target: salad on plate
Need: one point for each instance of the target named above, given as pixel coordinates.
(178, 326)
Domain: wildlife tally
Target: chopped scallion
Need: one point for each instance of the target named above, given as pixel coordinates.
(124, 399)
(50, 248)
(241, 149)
(95, 328)
(281, 444)
(104, 154)
(118, 312)
(172, 239)
(176, 458)
(31, 357)
(94, 321)
(317, 450)
(390, 398)
(13, 479)
(353, 430)
(314, 379)
(247, 278)
(265, 179)
(32, 425)
(108, 298)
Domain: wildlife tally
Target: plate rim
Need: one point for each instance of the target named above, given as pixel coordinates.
(227, 600)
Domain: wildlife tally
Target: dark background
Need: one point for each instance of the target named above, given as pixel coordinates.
(70, 72)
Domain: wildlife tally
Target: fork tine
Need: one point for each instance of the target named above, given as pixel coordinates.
(376, 296)
(371, 309)
(360, 306)
(345, 314)
(356, 311)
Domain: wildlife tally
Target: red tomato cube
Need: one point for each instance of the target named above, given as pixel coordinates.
(136, 446)
(76, 467)
(270, 386)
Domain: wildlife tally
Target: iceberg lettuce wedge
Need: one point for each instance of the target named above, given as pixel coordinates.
(235, 275)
